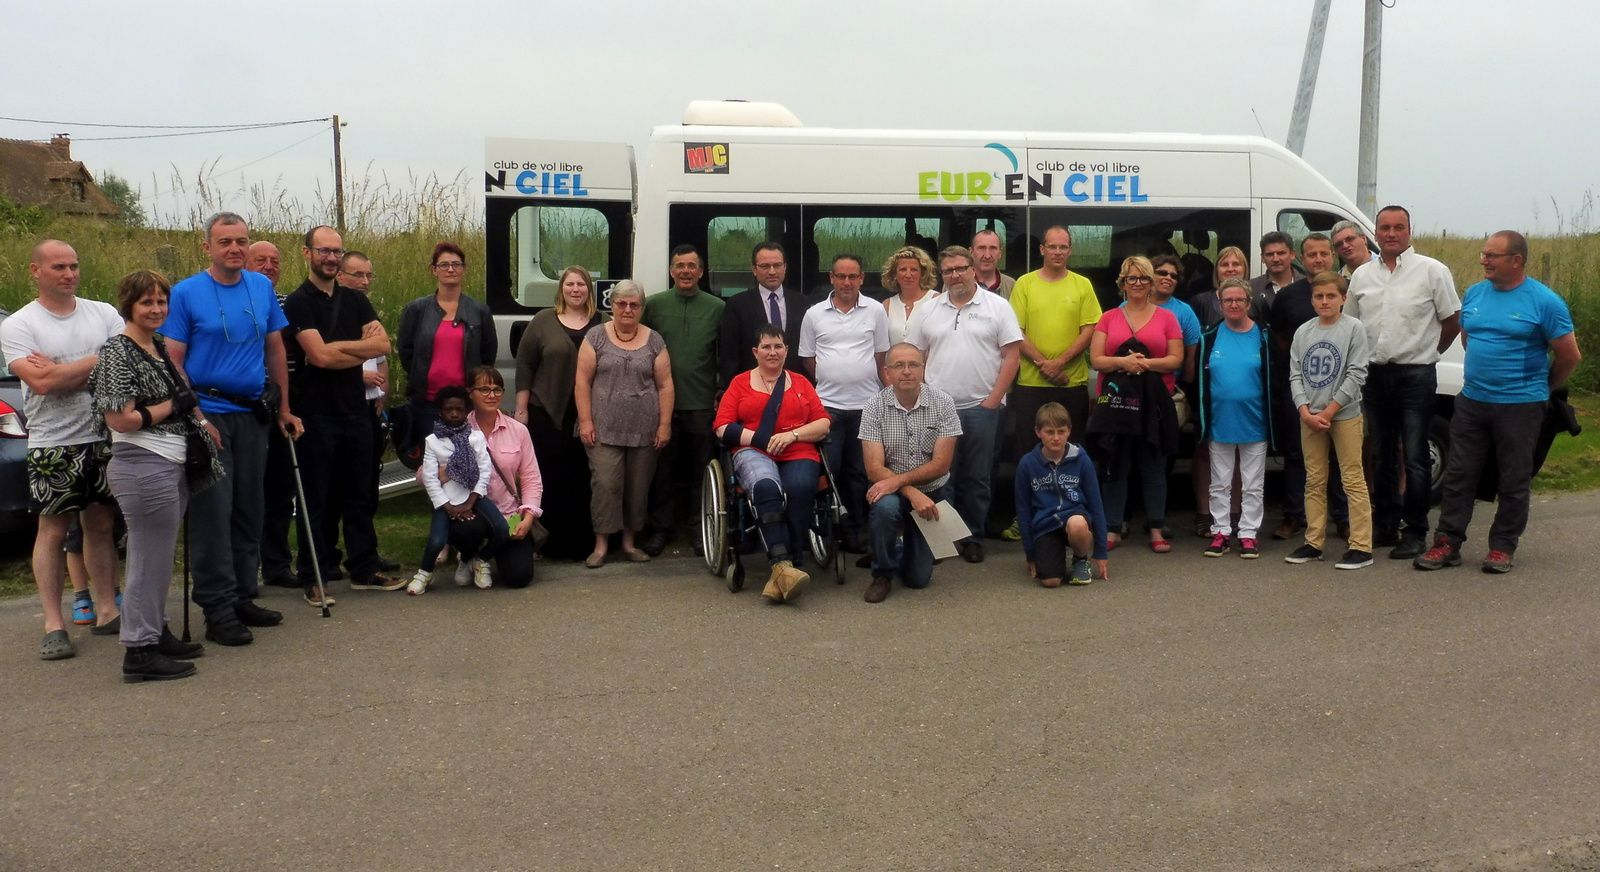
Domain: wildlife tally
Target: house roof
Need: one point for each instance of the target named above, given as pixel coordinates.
(44, 174)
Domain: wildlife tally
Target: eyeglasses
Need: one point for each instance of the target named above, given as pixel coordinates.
(904, 364)
(769, 266)
(955, 270)
(1136, 280)
(362, 275)
(626, 304)
(848, 277)
(222, 315)
(328, 252)
(1493, 255)
(450, 266)
(1233, 301)
(1166, 274)
(489, 390)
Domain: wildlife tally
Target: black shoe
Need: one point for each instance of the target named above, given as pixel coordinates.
(1408, 549)
(387, 565)
(878, 590)
(282, 579)
(334, 574)
(655, 543)
(699, 550)
(227, 630)
(147, 663)
(972, 551)
(252, 615)
(171, 646)
(109, 628)
(1385, 538)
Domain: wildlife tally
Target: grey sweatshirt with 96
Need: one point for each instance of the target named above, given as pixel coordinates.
(1327, 365)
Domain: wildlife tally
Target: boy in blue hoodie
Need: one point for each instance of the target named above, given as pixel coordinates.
(1058, 504)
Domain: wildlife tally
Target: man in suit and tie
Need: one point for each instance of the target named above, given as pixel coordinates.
(769, 302)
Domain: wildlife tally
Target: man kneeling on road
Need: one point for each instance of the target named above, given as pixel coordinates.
(908, 438)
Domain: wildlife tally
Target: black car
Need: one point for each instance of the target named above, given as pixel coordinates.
(13, 457)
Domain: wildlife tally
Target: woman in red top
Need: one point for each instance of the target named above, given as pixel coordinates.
(771, 419)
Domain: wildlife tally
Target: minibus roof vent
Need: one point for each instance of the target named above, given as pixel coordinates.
(738, 113)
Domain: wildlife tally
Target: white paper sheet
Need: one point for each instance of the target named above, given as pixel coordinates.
(943, 534)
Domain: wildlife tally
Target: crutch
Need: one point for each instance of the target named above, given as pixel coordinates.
(310, 544)
(185, 573)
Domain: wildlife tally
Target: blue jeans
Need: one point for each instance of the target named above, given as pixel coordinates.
(225, 519)
(848, 465)
(974, 463)
(480, 537)
(1398, 403)
(897, 545)
(797, 493)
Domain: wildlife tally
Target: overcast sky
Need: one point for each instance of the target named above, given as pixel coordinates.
(1488, 112)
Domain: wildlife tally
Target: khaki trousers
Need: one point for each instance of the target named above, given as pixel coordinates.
(619, 479)
(1346, 438)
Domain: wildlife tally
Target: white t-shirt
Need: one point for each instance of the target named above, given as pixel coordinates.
(845, 346)
(66, 417)
(965, 346)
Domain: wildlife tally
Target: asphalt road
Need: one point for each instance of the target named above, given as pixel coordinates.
(1190, 714)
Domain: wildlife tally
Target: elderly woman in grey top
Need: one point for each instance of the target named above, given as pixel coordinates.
(624, 398)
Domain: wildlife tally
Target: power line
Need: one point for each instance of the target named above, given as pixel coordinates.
(273, 154)
(188, 132)
(246, 126)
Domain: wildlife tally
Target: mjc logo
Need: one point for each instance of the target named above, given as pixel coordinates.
(705, 157)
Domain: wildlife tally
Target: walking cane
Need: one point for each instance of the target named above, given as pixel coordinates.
(185, 574)
(310, 544)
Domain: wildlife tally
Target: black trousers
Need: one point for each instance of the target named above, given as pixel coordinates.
(679, 468)
(336, 457)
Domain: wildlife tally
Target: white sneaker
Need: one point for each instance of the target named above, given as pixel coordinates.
(463, 572)
(480, 574)
(419, 583)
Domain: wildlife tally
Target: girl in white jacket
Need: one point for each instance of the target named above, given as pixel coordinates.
(455, 472)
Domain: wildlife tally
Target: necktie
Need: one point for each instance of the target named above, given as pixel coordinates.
(774, 312)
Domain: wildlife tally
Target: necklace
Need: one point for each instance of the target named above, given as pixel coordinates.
(771, 383)
(617, 330)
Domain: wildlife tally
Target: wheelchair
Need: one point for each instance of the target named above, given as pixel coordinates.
(728, 519)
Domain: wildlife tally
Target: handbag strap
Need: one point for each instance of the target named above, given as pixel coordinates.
(516, 493)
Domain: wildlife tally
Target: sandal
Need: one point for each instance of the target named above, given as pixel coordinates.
(595, 560)
(1160, 546)
(56, 646)
(1113, 540)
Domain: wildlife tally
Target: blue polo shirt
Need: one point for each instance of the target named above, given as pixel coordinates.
(224, 328)
(1508, 341)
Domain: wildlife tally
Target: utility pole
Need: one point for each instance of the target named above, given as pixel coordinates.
(338, 179)
(1367, 154)
(1310, 62)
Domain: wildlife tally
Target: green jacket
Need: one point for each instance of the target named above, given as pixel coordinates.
(689, 325)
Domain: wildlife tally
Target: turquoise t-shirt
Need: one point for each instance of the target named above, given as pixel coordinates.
(1508, 341)
(1238, 404)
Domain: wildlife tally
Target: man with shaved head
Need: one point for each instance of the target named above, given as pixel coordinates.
(51, 344)
(263, 257)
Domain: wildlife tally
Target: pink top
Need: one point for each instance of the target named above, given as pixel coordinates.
(1155, 333)
(511, 452)
(448, 366)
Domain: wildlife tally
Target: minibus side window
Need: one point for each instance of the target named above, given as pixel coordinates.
(871, 238)
(1300, 223)
(546, 239)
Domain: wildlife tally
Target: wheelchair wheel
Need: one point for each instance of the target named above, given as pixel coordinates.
(714, 517)
(821, 535)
